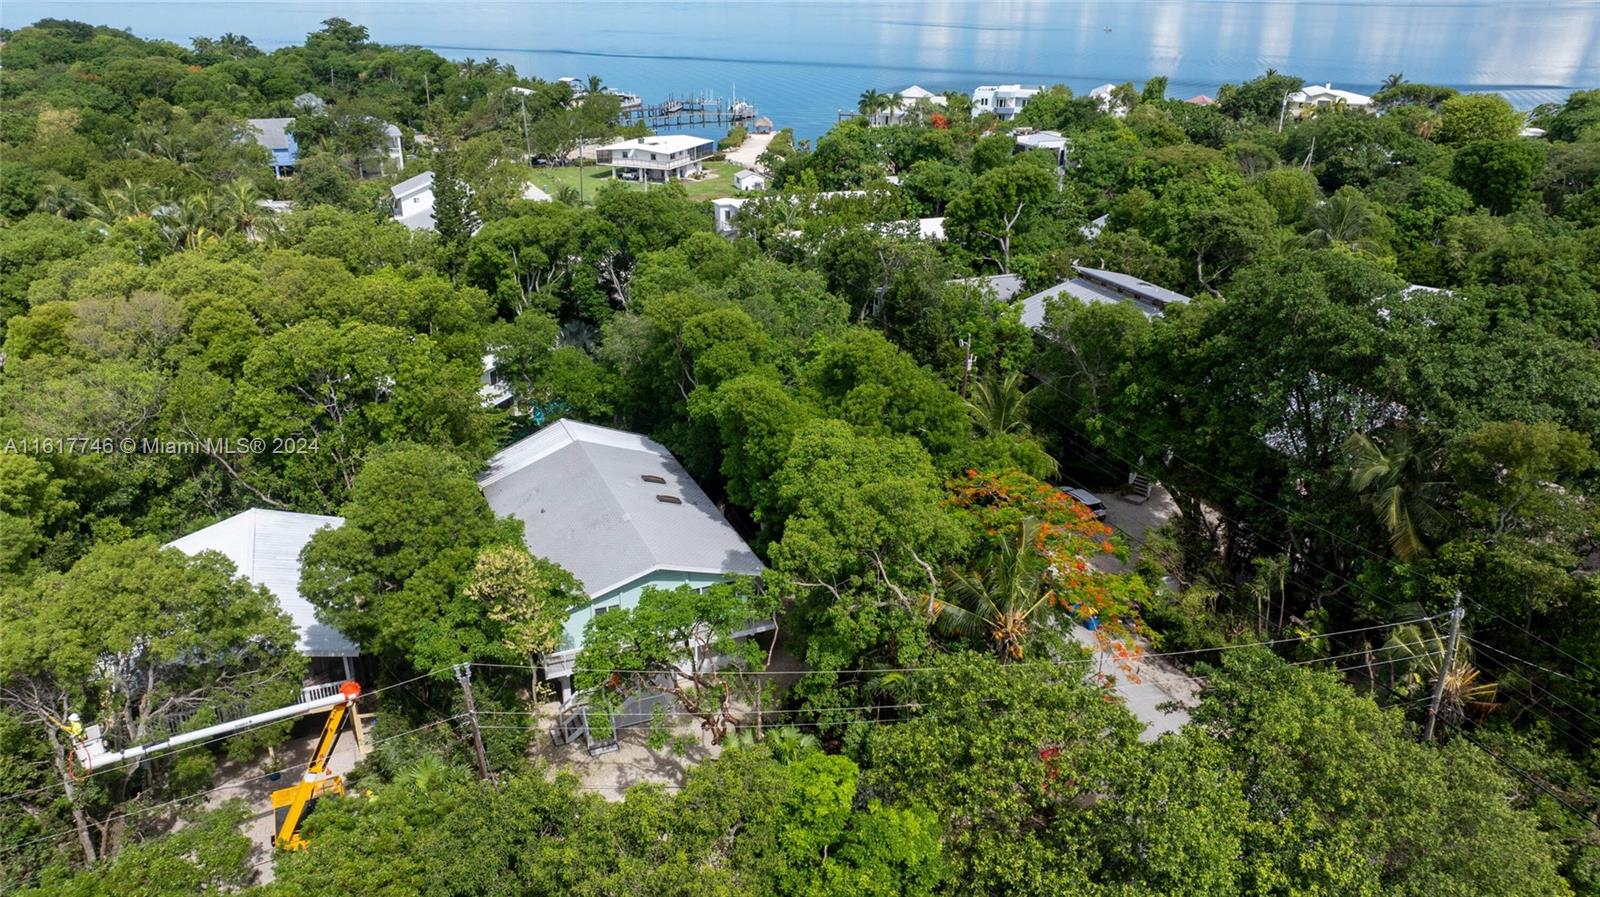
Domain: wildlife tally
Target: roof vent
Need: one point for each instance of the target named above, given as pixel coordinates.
(652, 478)
(669, 499)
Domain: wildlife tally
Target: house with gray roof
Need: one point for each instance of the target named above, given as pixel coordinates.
(264, 545)
(618, 511)
(1004, 287)
(1096, 286)
(273, 134)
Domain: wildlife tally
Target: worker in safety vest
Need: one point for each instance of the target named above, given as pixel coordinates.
(74, 727)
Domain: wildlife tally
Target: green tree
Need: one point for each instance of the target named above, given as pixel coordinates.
(529, 597)
(395, 577)
(1000, 207)
(1477, 117)
(1499, 174)
(136, 638)
(1003, 601)
(681, 641)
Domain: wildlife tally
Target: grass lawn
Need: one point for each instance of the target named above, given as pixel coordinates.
(551, 180)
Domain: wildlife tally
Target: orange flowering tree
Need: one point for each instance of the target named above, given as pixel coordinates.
(1067, 538)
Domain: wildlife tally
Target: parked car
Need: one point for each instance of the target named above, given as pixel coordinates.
(1089, 500)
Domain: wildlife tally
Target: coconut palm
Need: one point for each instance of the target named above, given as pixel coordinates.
(1343, 219)
(594, 84)
(1417, 651)
(870, 102)
(190, 221)
(134, 199)
(998, 405)
(999, 602)
(239, 204)
(1400, 483)
(1394, 80)
(63, 200)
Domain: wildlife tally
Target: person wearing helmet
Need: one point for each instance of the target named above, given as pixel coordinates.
(74, 727)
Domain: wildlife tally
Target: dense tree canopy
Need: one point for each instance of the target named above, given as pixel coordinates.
(1383, 392)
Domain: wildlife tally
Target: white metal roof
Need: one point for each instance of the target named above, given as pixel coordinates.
(412, 185)
(581, 493)
(1328, 93)
(265, 546)
(1042, 140)
(661, 143)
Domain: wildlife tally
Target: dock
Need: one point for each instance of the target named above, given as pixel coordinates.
(677, 112)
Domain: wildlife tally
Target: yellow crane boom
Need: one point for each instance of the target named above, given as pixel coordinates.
(290, 805)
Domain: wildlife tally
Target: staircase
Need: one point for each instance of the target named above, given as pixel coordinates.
(1138, 488)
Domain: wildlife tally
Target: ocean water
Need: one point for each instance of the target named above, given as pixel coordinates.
(802, 62)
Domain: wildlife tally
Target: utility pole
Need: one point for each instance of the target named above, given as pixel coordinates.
(464, 676)
(1456, 613)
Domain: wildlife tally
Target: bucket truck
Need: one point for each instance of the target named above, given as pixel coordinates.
(289, 805)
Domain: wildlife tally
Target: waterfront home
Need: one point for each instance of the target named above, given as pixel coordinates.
(619, 512)
(748, 181)
(1049, 141)
(264, 546)
(1004, 100)
(1108, 100)
(1324, 96)
(901, 104)
(273, 135)
(1096, 286)
(660, 158)
(411, 202)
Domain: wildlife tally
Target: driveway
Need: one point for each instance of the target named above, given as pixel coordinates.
(748, 152)
(1146, 683)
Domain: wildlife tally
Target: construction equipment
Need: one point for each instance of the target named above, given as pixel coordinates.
(289, 805)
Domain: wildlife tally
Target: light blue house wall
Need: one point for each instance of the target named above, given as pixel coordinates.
(627, 597)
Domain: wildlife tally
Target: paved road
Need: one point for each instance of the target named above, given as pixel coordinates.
(1146, 685)
(748, 152)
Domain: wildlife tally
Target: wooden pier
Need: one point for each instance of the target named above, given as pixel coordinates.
(677, 112)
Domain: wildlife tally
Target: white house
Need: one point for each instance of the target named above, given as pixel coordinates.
(1095, 286)
(1050, 141)
(748, 181)
(896, 111)
(265, 547)
(1323, 96)
(1108, 102)
(660, 158)
(619, 512)
(411, 202)
(722, 211)
(1004, 100)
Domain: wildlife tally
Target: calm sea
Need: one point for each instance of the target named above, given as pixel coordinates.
(801, 62)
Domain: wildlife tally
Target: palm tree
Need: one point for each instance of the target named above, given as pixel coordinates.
(998, 405)
(62, 200)
(1400, 483)
(998, 602)
(1344, 219)
(594, 84)
(1418, 652)
(1394, 80)
(239, 203)
(871, 102)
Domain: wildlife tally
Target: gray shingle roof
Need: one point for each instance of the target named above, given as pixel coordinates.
(265, 546)
(1097, 286)
(581, 493)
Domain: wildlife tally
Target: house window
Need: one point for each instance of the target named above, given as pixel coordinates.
(602, 611)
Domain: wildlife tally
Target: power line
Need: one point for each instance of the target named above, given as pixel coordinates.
(1061, 661)
(1170, 452)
